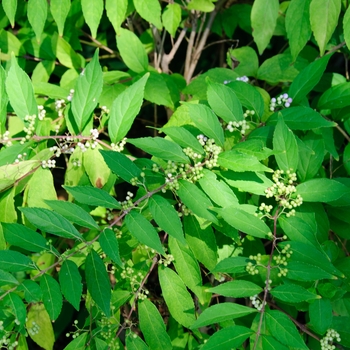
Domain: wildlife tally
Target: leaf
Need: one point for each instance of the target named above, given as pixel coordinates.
(176, 296)
(283, 329)
(87, 91)
(125, 108)
(224, 102)
(270, 343)
(346, 27)
(240, 162)
(201, 241)
(298, 25)
(116, 12)
(110, 245)
(320, 312)
(37, 14)
(20, 91)
(70, 281)
(324, 19)
(166, 217)
(201, 5)
(264, 26)
(10, 8)
(3, 100)
(293, 293)
(49, 221)
(160, 148)
(301, 271)
(92, 196)
(121, 165)
(98, 282)
(38, 315)
(228, 338)
(285, 146)
(153, 327)
(7, 278)
(73, 213)
(195, 200)
(132, 51)
(335, 97)
(236, 289)
(307, 79)
(59, 10)
(52, 297)
(78, 343)
(157, 90)
(15, 302)
(149, 11)
(321, 190)
(171, 18)
(247, 56)
(23, 237)
(245, 222)
(143, 231)
(206, 121)
(92, 10)
(13, 261)
(32, 291)
(67, 56)
(134, 342)
(7, 206)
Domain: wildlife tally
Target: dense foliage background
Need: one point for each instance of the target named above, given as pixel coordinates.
(174, 174)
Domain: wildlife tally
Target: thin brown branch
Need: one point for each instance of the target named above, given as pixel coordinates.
(98, 44)
(335, 48)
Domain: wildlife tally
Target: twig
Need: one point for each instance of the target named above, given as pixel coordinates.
(99, 44)
(335, 48)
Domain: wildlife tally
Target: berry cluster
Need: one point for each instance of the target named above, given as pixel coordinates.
(245, 79)
(135, 280)
(166, 260)
(20, 157)
(50, 163)
(281, 260)
(127, 203)
(119, 146)
(256, 302)
(211, 149)
(5, 139)
(109, 327)
(327, 341)
(241, 126)
(29, 130)
(41, 112)
(251, 267)
(281, 101)
(71, 94)
(76, 333)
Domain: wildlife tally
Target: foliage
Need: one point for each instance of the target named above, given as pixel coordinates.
(223, 225)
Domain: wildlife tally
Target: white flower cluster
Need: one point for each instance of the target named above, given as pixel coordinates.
(51, 163)
(29, 130)
(41, 112)
(245, 79)
(5, 139)
(327, 341)
(60, 106)
(119, 146)
(71, 94)
(281, 101)
(104, 109)
(242, 126)
(256, 302)
(20, 157)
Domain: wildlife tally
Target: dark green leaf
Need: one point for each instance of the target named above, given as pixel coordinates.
(235, 264)
(7, 278)
(110, 245)
(78, 343)
(321, 315)
(236, 289)
(52, 297)
(301, 271)
(14, 301)
(32, 291)
(3, 100)
(14, 261)
(335, 97)
(270, 343)
(133, 342)
(293, 293)
(98, 282)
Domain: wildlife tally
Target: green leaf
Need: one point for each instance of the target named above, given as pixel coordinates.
(7, 206)
(78, 343)
(10, 8)
(283, 329)
(195, 200)
(59, 10)
(92, 196)
(52, 297)
(70, 281)
(346, 27)
(98, 282)
(23, 237)
(335, 97)
(245, 222)
(149, 11)
(301, 271)
(73, 213)
(161, 148)
(14, 261)
(201, 241)
(15, 302)
(166, 217)
(87, 91)
(133, 342)
(50, 90)
(125, 108)
(116, 12)
(183, 137)
(20, 91)
(240, 162)
(307, 79)
(292, 293)
(201, 5)
(264, 25)
(32, 291)
(49, 221)
(157, 90)
(248, 58)
(176, 296)
(153, 327)
(3, 100)
(132, 51)
(270, 343)
(143, 231)
(346, 158)
(298, 25)
(301, 118)
(171, 17)
(321, 315)
(121, 165)
(285, 146)
(206, 121)
(224, 102)
(236, 289)
(110, 245)
(324, 19)
(321, 190)
(92, 10)
(37, 14)
(67, 56)
(7, 278)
